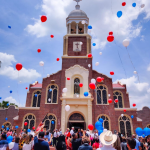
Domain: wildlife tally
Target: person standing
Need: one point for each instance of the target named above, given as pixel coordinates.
(55, 139)
(148, 141)
(117, 144)
(72, 131)
(4, 143)
(124, 144)
(138, 145)
(131, 143)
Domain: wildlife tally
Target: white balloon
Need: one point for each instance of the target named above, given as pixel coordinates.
(81, 43)
(49, 100)
(126, 42)
(67, 107)
(108, 95)
(105, 130)
(143, 5)
(33, 84)
(48, 75)
(41, 63)
(77, 96)
(97, 63)
(83, 22)
(11, 145)
(93, 81)
(36, 82)
(20, 81)
(122, 115)
(8, 86)
(100, 53)
(135, 72)
(64, 90)
(89, 65)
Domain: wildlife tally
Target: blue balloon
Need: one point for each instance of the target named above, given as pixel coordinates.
(132, 116)
(134, 4)
(6, 118)
(7, 104)
(28, 130)
(50, 90)
(86, 94)
(89, 27)
(7, 128)
(10, 91)
(143, 136)
(119, 14)
(101, 120)
(9, 139)
(139, 131)
(35, 95)
(0, 97)
(146, 131)
(16, 127)
(9, 27)
(99, 132)
(2, 126)
(98, 125)
(94, 44)
(53, 122)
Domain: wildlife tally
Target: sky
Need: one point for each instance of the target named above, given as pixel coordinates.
(27, 34)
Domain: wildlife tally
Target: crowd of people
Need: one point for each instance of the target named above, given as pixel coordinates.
(43, 139)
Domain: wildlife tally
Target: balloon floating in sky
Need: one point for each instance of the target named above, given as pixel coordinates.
(35, 95)
(2, 126)
(83, 22)
(0, 97)
(67, 107)
(25, 123)
(135, 72)
(111, 73)
(110, 33)
(124, 4)
(134, 104)
(6, 118)
(92, 86)
(124, 110)
(41, 63)
(52, 36)
(126, 43)
(53, 122)
(94, 44)
(97, 63)
(10, 91)
(28, 130)
(68, 78)
(81, 43)
(90, 127)
(39, 50)
(132, 116)
(89, 55)
(101, 120)
(116, 100)
(86, 94)
(81, 85)
(64, 90)
(18, 66)
(134, 4)
(26, 88)
(110, 38)
(9, 27)
(119, 14)
(142, 5)
(7, 104)
(89, 65)
(50, 90)
(99, 79)
(57, 59)
(122, 115)
(110, 101)
(43, 18)
(89, 27)
(100, 53)
(93, 81)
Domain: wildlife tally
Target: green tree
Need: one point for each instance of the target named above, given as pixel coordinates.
(4, 104)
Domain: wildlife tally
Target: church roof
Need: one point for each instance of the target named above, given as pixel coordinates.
(77, 13)
(39, 85)
(118, 86)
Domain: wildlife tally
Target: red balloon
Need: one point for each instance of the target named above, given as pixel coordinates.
(26, 88)
(80, 84)
(57, 59)
(43, 18)
(99, 79)
(116, 100)
(111, 73)
(52, 36)
(102, 79)
(68, 78)
(124, 4)
(92, 86)
(90, 127)
(110, 38)
(124, 110)
(25, 123)
(110, 101)
(33, 128)
(19, 66)
(111, 33)
(134, 105)
(89, 55)
(39, 50)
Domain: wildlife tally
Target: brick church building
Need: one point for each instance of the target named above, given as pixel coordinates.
(46, 102)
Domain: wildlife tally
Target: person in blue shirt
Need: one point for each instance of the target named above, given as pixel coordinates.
(40, 143)
(138, 144)
(85, 145)
(4, 143)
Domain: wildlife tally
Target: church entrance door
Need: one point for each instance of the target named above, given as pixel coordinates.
(77, 121)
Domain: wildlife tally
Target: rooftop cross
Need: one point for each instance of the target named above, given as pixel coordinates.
(77, 1)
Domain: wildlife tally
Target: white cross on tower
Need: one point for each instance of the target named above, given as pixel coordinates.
(77, 45)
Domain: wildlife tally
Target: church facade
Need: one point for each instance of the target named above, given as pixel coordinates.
(46, 102)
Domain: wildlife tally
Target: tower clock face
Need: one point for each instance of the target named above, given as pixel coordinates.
(77, 46)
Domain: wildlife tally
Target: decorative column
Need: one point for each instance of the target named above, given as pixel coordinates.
(89, 112)
(63, 115)
(77, 28)
(66, 45)
(87, 45)
(69, 28)
(85, 29)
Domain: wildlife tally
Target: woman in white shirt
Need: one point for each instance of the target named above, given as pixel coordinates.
(27, 145)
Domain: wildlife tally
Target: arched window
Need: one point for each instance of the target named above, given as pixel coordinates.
(118, 95)
(125, 125)
(106, 121)
(7, 125)
(101, 94)
(30, 119)
(148, 126)
(76, 86)
(52, 94)
(50, 122)
(36, 99)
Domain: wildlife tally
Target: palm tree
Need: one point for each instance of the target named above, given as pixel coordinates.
(4, 104)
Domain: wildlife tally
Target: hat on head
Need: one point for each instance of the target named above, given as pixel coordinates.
(107, 138)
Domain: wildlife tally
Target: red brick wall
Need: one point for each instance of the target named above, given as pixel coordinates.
(70, 46)
(144, 114)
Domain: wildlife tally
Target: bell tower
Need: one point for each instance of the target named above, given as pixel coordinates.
(77, 41)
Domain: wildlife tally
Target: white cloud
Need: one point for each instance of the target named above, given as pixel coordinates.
(139, 93)
(102, 16)
(12, 100)
(7, 69)
(148, 68)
